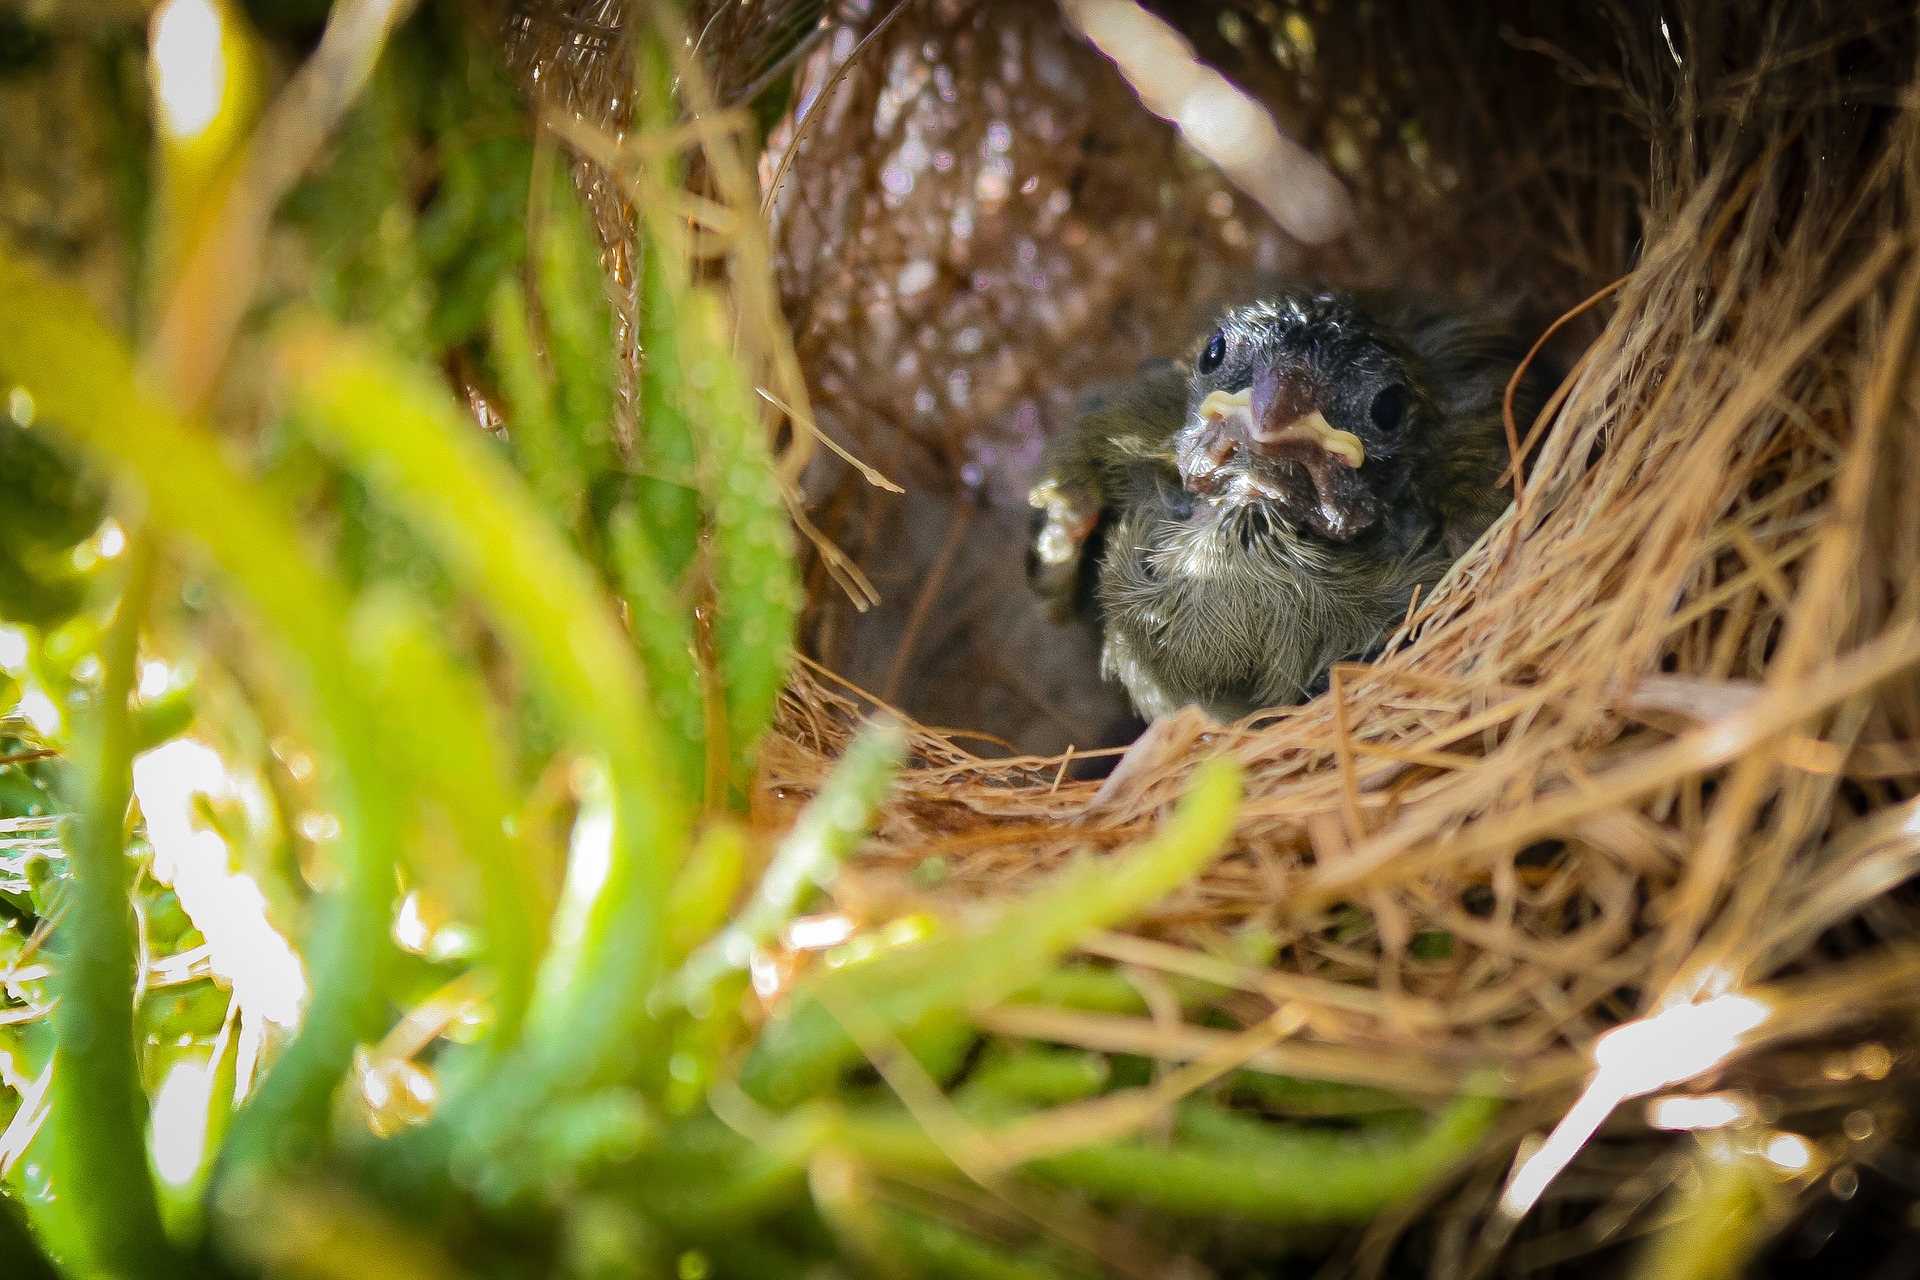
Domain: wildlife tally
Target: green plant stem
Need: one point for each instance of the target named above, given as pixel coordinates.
(668, 499)
(536, 434)
(829, 829)
(803, 1053)
(756, 592)
(947, 1252)
(99, 1109)
(1299, 1096)
(579, 326)
(1092, 988)
(398, 429)
(1717, 1218)
(1040, 1077)
(439, 727)
(662, 624)
(1223, 1165)
(707, 885)
(82, 379)
(19, 1248)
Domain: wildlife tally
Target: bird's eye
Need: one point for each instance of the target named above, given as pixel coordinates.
(1216, 352)
(1389, 409)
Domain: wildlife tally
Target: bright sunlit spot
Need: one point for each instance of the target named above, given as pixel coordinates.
(1698, 1111)
(27, 1118)
(1676, 1044)
(394, 1092)
(108, 541)
(20, 407)
(1789, 1151)
(589, 863)
(13, 649)
(409, 929)
(180, 1122)
(422, 926)
(40, 712)
(189, 66)
(764, 972)
(156, 678)
(227, 907)
(590, 851)
(817, 933)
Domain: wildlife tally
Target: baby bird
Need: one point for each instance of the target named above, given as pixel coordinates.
(1237, 524)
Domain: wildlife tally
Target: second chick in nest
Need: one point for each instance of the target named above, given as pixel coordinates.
(1236, 524)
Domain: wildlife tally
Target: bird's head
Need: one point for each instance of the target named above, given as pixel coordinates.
(1306, 406)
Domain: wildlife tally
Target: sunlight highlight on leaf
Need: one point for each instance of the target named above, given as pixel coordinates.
(180, 1106)
(269, 983)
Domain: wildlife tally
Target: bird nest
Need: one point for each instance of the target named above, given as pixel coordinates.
(1655, 738)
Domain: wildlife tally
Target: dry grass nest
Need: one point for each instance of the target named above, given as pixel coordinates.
(1660, 729)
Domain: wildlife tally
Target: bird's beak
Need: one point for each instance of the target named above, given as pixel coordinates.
(1267, 436)
(1306, 466)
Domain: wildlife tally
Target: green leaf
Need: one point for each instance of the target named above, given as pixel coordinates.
(396, 426)
(438, 725)
(755, 588)
(82, 376)
(551, 466)
(579, 325)
(99, 1110)
(662, 625)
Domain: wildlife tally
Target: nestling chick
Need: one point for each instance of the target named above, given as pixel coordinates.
(1237, 525)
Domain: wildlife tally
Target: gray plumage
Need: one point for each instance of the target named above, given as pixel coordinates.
(1214, 520)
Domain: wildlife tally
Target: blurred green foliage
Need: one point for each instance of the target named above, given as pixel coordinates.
(46, 509)
(481, 646)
